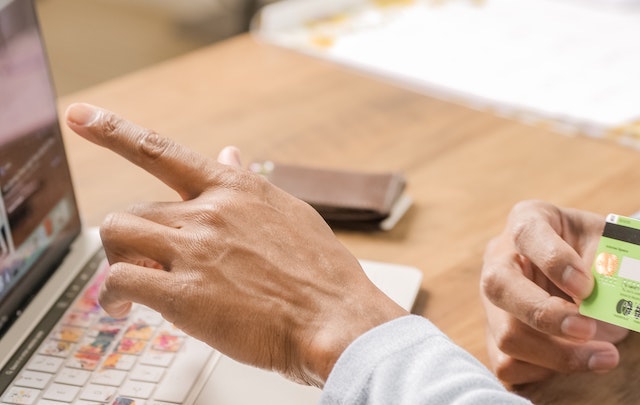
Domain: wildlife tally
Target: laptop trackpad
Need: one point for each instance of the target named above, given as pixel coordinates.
(233, 383)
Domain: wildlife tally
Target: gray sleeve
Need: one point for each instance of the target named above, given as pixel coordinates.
(410, 361)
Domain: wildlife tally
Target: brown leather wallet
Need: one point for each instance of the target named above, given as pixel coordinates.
(343, 198)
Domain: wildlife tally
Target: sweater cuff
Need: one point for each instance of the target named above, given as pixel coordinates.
(354, 367)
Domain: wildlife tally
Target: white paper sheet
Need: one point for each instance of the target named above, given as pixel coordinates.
(572, 63)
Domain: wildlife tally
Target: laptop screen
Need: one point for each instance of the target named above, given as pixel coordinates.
(38, 213)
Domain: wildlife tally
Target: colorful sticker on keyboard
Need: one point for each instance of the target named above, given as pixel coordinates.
(131, 346)
(84, 361)
(119, 361)
(616, 269)
(124, 401)
(88, 302)
(167, 343)
(58, 348)
(139, 331)
(67, 333)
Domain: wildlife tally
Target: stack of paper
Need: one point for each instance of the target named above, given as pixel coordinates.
(572, 63)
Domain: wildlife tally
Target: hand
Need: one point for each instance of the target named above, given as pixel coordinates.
(239, 263)
(534, 276)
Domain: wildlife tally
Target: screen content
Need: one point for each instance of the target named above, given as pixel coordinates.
(37, 205)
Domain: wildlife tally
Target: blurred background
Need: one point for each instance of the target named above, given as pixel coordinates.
(90, 41)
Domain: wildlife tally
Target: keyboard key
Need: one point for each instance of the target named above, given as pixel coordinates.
(58, 348)
(127, 401)
(45, 364)
(84, 361)
(61, 392)
(50, 402)
(78, 319)
(33, 379)
(131, 346)
(111, 377)
(167, 343)
(139, 331)
(23, 396)
(98, 393)
(72, 376)
(110, 322)
(137, 389)
(147, 373)
(120, 361)
(184, 372)
(96, 345)
(107, 326)
(156, 358)
(88, 302)
(68, 334)
(147, 316)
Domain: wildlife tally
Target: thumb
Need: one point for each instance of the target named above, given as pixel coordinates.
(230, 156)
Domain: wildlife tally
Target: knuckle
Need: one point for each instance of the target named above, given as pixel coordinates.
(520, 229)
(570, 362)
(525, 206)
(112, 283)
(241, 180)
(492, 246)
(152, 145)
(503, 367)
(138, 209)
(109, 220)
(573, 365)
(507, 338)
(539, 317)
(490, 283)
(172, 305)
(522, 219)
(553, 260)
(110, 225)
(209, 207)
(110, 125)
(111, 292)
(208, 213)
(226, 177)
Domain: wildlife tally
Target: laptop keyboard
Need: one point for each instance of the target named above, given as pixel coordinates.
(89, 358)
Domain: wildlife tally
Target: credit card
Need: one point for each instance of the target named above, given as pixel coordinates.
(616, 269)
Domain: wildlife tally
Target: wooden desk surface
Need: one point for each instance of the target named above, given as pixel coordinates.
(465, 168)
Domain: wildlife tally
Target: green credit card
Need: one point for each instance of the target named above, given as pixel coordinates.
(616, 269)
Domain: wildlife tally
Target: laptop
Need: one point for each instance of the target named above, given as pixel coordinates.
(57, 346)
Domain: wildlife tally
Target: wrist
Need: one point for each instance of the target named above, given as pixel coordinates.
(333, 338)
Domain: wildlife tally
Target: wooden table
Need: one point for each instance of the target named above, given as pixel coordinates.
(465, 168)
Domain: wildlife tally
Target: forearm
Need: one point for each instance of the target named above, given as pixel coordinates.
(410, 361)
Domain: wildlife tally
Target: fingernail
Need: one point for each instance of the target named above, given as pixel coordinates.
(82, 114)
(603, 361)
(578, 327)
(577, 283)
(230, 155)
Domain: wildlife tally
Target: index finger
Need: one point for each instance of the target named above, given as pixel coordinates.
(536, 236)
(180, 168)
